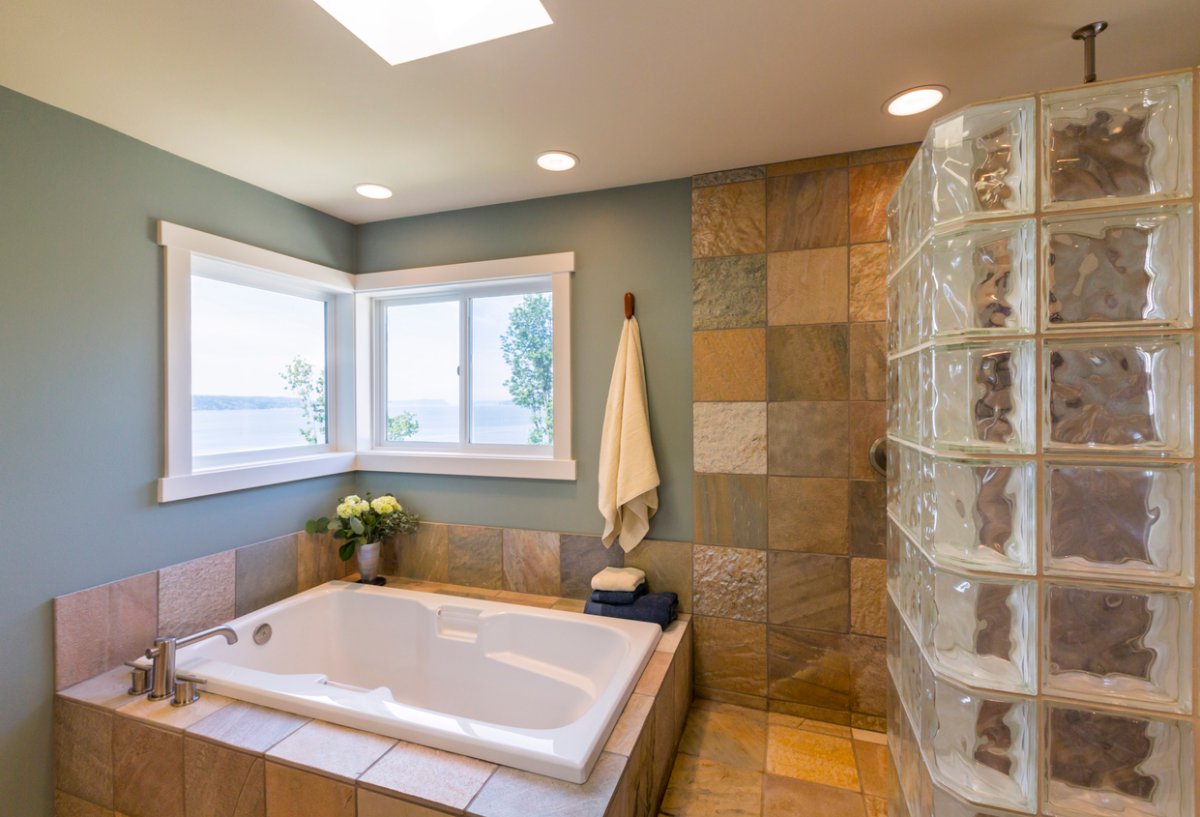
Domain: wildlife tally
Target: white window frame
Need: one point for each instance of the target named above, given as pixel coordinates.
(187, 475)
(352, 375)
(373, 291)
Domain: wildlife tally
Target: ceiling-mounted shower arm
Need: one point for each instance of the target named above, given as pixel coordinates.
(1088, 35)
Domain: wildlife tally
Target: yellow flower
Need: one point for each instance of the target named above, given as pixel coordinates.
(383, 504)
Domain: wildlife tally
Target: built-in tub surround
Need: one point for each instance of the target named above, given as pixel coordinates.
(534, 689)
(101, 627)
(224, 756)
(788, 360)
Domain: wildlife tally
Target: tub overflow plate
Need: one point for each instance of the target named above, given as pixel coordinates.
(262, 634)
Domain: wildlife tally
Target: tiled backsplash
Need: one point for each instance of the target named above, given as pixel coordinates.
(529, 561)
(101, 627)
(788, 366)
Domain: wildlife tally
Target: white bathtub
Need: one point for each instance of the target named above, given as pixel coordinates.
(534, 689)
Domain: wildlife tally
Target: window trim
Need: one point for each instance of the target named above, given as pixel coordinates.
(349, 368)
(184, 477)
(376, 288)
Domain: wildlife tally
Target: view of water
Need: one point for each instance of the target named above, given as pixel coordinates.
(223, 431)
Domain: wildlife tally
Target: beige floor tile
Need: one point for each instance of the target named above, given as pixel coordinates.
(869, 736)
(732, 735)
(787, 797)
(821, 727)
(705, 788)
(873, 765)
(812, 756)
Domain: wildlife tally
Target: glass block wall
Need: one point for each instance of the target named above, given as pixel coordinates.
(1041, 486)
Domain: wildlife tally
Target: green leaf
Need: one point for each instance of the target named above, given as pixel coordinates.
(346, 551)
(356, 525)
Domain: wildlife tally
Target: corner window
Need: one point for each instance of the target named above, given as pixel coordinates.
(278, 369)
(470, 368)
(258, 352)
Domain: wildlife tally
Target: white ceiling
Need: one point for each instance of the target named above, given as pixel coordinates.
(277, 93)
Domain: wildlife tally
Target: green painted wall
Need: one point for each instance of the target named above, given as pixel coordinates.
(634, 239)
(81, 388)
(81, 384)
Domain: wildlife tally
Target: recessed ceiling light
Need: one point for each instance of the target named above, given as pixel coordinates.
(557, 160)
(373, 191)
(403, 32)
(915, 100)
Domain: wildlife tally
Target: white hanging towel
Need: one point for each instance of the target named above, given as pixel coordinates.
(628, 474)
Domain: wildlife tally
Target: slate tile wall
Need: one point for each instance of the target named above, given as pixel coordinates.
(789, 304)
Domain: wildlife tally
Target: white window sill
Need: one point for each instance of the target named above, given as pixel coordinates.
(253, 475)
(473, 465)
(256, 475)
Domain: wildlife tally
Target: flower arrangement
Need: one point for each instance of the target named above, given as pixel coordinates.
(363, 520)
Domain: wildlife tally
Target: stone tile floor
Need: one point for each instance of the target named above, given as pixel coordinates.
(739, 762)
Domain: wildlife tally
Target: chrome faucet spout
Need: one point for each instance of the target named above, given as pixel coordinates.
(162, 672)
(228, 633)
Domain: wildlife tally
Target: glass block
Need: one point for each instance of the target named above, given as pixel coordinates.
(906, 573)
(983, 397)
(893, 323)
(983, 746)
(982, 280)
(980, 515)
(1120, 394)
(897, 805)
(983, 632)
(1126, 268)
(1121, 646)
(981, 162)
(909, 488)
(908, 388)
(893, 397)
(908, 328)
(948, 804)
(894, 237)
(1099, 763)
(912, 202)
(1128, 140)
(1131, 523)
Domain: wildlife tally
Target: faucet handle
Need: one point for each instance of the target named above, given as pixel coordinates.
(139, 678)
(187, 689)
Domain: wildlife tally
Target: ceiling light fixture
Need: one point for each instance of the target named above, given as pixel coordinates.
(915, 100)
(403, 32)
(373, 191)
(557, 160)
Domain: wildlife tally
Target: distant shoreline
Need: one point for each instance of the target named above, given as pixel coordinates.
(232, 402)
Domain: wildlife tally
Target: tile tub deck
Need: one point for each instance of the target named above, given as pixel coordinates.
(116, 755)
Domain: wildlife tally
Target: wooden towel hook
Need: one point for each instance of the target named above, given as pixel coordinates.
(628, 305)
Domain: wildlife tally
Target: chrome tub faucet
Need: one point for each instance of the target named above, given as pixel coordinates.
(164, 683)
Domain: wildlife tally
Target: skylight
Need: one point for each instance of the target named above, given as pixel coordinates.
(407, 30)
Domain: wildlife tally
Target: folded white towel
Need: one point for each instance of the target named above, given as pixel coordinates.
(619, 579)
(628, 474)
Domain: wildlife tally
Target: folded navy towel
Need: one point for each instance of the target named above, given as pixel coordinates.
(619, 596)
(657, 608)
